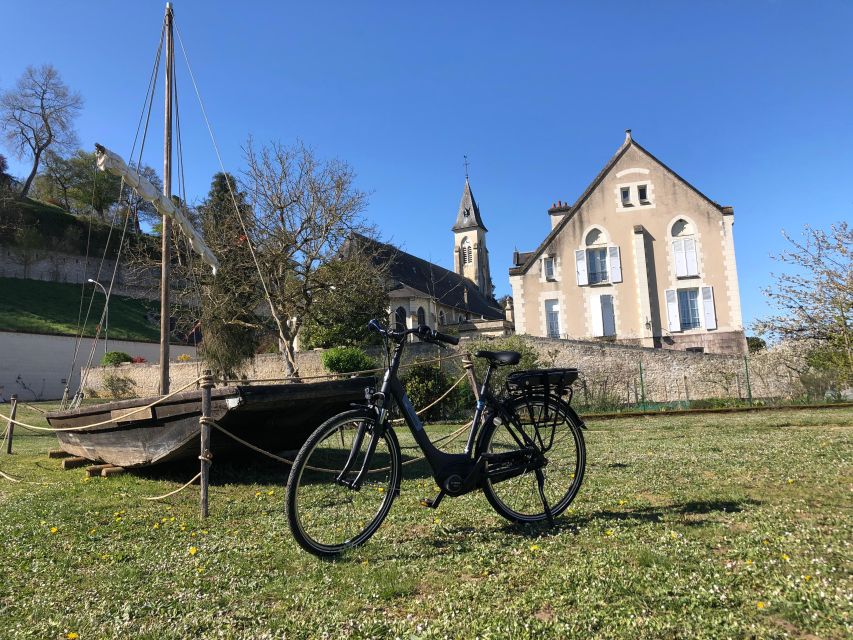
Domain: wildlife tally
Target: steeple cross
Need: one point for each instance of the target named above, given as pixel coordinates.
(466, 166)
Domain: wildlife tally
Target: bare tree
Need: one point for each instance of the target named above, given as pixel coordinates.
(305, 210)
(815, 299)
(38, 114)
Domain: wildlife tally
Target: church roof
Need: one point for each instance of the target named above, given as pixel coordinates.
(468, 216)
(446, 287)
(567, 211)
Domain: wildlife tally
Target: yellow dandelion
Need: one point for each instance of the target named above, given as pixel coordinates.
(71, 635)
(765, 542)
(437, 521)
(785, 557)
(621, 502)
(257, 494)
(365, 562)
(204, 532)
(164, 520)
(790, 481)
(534, 547)
(759, 604)
(807, 578)
(381, 489)
(92, 532)
(53, 529)
(193, 551)
(193, 534)
(156, 525)
(609, 532)
(172, 519)
(271, 492)
(749, 562)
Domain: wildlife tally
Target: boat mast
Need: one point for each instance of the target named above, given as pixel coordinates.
(167, 223)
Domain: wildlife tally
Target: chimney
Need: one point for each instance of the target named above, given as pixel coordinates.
(508, 310)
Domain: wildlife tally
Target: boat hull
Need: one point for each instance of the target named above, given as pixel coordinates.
(272, 417)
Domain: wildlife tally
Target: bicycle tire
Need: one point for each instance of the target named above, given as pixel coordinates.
(517, 499)
(327, 518)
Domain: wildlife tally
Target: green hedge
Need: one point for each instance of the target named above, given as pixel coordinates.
(347, 360)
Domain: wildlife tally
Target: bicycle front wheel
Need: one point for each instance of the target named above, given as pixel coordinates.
(328, 517)
(544, 423)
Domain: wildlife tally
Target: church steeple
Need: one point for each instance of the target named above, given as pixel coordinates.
(470, 256)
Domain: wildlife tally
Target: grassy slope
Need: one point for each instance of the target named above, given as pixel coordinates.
(686, 527)
(50, 307)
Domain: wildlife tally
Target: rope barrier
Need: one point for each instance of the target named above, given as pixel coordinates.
(171, 493)
(159, 400)
(436, 401)
(8, 477)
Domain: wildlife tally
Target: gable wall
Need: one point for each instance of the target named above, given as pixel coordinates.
(647, 262)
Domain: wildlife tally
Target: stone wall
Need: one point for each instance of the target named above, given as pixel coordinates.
(53, 266)
(609, 372)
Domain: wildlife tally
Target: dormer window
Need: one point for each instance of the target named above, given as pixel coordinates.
(626, 196)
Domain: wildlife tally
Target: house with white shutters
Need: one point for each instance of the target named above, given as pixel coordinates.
(642, 257)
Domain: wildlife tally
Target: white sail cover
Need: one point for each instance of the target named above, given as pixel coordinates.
(112, 162)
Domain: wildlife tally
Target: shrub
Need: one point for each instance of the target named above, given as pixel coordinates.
(347, 360)
(425, 383)
(118, 386)
(138, 360)
(529, 359)
(115, 358)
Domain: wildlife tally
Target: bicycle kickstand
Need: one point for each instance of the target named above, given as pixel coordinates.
(540, 480)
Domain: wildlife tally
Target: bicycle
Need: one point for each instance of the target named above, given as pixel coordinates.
(525, 452)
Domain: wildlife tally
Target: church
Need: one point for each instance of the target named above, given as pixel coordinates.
(460, 301)
(642, 257)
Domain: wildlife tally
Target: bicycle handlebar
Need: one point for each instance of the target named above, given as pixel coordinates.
(423, 332)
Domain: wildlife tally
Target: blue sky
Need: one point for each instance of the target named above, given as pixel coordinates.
(752, 102)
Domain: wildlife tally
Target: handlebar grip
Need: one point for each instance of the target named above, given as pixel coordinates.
(443, 337)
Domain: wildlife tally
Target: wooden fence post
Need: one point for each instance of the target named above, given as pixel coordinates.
(10, 428)
(204, 423)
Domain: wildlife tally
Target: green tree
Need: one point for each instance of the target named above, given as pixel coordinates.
(90, 189)
(229, 325)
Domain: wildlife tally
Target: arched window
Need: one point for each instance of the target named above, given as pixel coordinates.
(466, 251)
(421, 316)
(400, 319)
(684, 249)
(596, 257)
(442, 318)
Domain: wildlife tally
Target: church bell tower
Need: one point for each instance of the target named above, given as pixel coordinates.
(470, 256)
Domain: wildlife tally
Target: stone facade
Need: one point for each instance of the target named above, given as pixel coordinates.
(610, 371)
(642, 257)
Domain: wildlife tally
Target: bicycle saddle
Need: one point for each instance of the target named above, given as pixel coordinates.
(498, 358)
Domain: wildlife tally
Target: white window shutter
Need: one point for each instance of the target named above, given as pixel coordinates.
(615, 261)
(672, 310)
(708, 310)
(597, 316)
(692, 265)
(580, 267)
(608, 319)
(680, 261)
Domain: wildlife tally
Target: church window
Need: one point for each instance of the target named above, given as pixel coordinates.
(400, 319)
(467, 252)
(421, 316)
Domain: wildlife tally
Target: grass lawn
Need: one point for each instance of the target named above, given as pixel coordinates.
(709, 526)
(51, 307)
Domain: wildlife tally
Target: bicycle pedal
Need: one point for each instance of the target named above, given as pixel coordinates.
(433, 503)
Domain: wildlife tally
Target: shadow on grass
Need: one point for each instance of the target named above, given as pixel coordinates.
(574, 524)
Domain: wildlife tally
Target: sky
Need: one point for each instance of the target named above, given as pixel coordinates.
(750, 101)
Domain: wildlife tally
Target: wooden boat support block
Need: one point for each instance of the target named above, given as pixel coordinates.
(112, 471)
(73, 462)
(58, 453)
(95, 470)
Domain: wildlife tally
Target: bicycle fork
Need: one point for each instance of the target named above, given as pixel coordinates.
(355, 483)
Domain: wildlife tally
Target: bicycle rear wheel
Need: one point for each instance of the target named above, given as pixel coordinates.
(555, 433)
(325, 516)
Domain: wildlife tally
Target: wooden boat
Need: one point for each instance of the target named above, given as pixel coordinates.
(274, 417)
